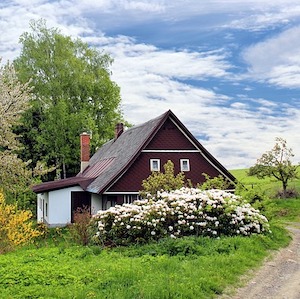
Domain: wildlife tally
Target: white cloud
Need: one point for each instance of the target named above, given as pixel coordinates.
(115, 6)
(237, 135)
(178, 64)
(14, 20)
(277, 59)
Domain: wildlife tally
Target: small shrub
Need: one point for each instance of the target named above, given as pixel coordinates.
(185, 247)
(255, 196)
(80, 229)
(289, 193)
(166, 181)
(218, 182)
(16, 229)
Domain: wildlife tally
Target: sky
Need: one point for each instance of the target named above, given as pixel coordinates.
(229, 70)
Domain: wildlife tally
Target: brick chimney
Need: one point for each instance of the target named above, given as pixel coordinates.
(84, 150)
(119, 128)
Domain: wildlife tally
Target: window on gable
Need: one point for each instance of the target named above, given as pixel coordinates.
(154, 164)
(184, 165)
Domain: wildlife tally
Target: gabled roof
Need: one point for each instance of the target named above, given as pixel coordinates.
(117, 155)
(123, 150)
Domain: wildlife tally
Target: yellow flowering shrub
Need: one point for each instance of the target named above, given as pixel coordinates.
(15, 226)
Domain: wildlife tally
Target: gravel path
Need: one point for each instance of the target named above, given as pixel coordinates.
(279, 277)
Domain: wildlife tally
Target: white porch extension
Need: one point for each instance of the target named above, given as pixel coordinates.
(55, 207)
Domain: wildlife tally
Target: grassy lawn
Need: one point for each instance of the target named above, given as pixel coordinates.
(269, 185)
(187, 268)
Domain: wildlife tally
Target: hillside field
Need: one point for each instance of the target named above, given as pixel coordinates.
(269, 185)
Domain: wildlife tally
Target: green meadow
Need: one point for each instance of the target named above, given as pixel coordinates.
(193, 267)
(269, 185)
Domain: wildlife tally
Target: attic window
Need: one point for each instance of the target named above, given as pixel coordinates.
(184, 165)
(154, 164)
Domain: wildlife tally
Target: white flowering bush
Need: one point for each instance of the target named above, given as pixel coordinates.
(179, 213)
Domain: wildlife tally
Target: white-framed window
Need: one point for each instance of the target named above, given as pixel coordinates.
(130, 198)
(155, 164)
(184, 165)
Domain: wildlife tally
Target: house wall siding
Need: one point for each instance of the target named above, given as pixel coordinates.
(140, 170)
(170, 137)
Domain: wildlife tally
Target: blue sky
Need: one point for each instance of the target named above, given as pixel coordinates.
(230, 70)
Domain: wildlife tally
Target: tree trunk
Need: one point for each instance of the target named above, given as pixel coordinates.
(57, 170)
(64, 169)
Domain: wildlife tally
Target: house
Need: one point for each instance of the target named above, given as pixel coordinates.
(113, 175)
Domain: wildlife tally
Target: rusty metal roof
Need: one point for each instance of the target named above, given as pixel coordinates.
(97, 168)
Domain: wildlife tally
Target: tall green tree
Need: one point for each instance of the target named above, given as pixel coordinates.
(73, 92)
(276, 163)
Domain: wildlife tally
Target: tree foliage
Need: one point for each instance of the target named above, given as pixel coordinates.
(166, 181)
(276, 163)
(218, 182)
(73, 92)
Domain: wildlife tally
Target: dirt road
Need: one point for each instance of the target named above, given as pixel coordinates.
(279, 277)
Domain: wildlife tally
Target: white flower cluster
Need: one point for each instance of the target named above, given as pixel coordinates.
(187, 211)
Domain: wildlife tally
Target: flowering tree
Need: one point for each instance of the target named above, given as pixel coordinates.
(184, 212)
(15, 176)
(276, 163)
(14, 99)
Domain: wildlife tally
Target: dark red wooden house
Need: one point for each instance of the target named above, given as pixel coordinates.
(113, 175)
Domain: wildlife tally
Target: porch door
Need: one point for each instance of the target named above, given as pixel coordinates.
(111, 201)
(79, 199)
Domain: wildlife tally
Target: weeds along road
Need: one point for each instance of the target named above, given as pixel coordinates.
(279, 277)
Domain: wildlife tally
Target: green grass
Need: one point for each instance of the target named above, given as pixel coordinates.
(187, 268)
(270, 185)
(191, 267)
(279, 210)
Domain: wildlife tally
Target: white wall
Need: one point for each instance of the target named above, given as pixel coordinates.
(59, 207)
(96, 203)
(42, 199)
